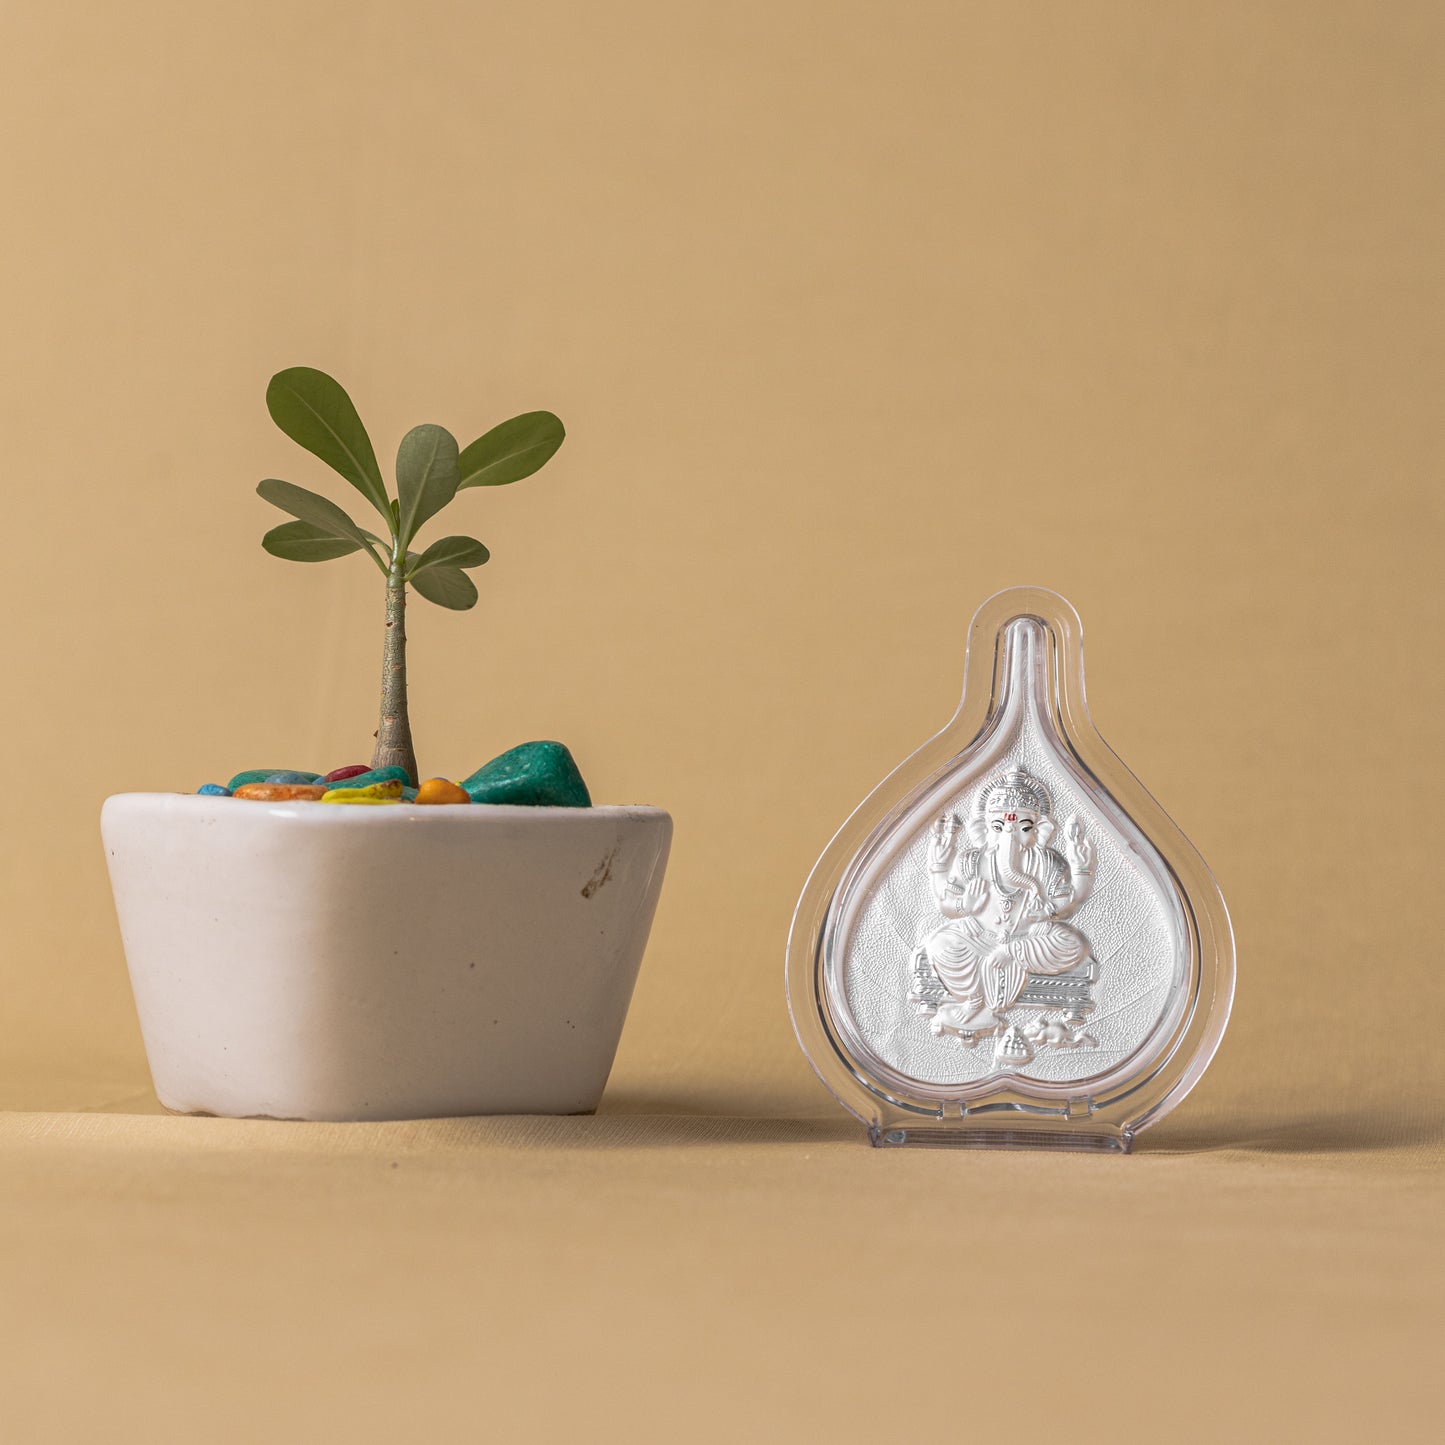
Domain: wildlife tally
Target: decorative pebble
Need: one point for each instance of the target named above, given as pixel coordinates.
(281, 792)
(261, 775)
(538, 775)
(378, 775)
(439, 790)
(213, 790)
(352, 770)
(408, 795)
(389, 791)
(285, 777)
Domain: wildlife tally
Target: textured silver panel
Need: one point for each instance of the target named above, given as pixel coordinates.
(1015, 922)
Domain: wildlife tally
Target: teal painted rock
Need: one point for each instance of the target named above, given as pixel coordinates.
(378, 775)
(536, 775)
(260, 775)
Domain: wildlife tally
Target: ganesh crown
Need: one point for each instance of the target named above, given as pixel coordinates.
(1017, 789)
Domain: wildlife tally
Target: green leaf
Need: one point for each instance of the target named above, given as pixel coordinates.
(301, 542)
(447, 587)
(511, 451)
(426, 476)
(315, 412)
(449, 552)
(322, 514)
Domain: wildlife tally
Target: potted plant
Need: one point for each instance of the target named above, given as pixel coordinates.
(452, 947)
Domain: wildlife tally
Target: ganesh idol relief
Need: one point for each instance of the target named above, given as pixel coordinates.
(1003, 963)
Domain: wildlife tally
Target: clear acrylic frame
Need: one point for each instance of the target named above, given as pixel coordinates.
(956, 980)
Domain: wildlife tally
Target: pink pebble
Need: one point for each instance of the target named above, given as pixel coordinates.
(354, 771)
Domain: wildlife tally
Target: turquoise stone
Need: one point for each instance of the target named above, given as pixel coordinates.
(261, 775)
(213, 790)
(392, 774)
(537, 775)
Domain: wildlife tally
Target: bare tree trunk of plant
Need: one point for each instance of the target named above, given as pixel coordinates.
(393, 737)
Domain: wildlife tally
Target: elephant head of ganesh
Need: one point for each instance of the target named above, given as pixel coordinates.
(1011, 818)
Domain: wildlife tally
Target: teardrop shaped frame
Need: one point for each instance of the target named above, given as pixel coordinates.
(899, 1111)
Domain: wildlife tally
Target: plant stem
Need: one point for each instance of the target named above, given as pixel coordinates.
(393, 737)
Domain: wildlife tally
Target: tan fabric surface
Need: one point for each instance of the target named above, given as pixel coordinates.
(654, 1277)
(856, 312)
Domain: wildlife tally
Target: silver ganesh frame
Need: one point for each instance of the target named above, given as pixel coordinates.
(1009, 942)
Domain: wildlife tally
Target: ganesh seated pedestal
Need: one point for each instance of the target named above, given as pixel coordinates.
(1061, 1005)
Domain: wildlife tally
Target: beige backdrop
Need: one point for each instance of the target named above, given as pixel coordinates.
(855, 312)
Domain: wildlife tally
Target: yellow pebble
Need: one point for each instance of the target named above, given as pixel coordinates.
(280, 792)
(373, 794)
(439, 790)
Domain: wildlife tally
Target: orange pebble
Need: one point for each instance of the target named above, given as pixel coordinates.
(280, 792)
(439, 790)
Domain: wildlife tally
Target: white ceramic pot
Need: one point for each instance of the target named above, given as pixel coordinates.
(316, 961)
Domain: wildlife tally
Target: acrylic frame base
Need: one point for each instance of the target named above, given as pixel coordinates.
(911, 1135)
(1011, 1114)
